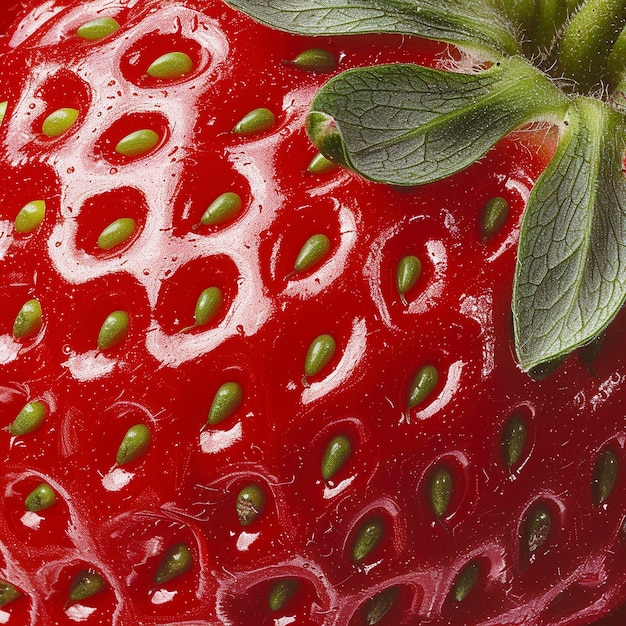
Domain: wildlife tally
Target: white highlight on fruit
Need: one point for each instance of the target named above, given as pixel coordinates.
(245, 540)
(89, 365)
(447, 393)
(31, 519)
(214, 441)
(80, 612)
(350, 359)
(117, 479)
(161, 596)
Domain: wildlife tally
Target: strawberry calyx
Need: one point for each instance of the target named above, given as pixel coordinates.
(558, 62)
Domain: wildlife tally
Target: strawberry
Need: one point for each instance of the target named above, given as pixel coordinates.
(242, 383)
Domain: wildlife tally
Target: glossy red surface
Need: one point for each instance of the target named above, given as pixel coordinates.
(120, 520)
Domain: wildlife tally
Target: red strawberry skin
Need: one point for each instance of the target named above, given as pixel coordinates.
(120, 520)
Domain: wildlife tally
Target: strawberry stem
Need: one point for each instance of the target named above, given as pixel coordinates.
(587, 42)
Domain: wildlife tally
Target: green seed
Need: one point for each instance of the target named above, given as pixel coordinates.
(176, 562)
(513, 440)
(493, 217)
(30, 216)
(29, 419)
(440, 490)
(377, 607)
(59, 122)
(114, 330)
(320, 165)
(117, 233)
(319, 355)
(3, 110)
(408, 271)
(536, 529)
(466, 581)
(223, 209)
(170, 66)
(138, 143)
(86, 584)
(604, 476)
(8, 593)
(312, 252)
(208, 305)
(134, 445)
(336, 455)
(281, 592)
(28, 321)
(368, 537)
(40, 498)
(97, 29)
(250, 504)
(256, 121)
(226, 401)
(314, 60)
(423, 385)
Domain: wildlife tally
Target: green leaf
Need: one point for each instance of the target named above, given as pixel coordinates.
(473, 24)
(409, 125)
(571, 274)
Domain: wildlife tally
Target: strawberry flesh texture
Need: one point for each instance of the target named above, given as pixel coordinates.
(121, 521)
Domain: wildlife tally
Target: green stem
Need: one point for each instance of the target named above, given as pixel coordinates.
(548, 19)
(588, 40)
(616, 65)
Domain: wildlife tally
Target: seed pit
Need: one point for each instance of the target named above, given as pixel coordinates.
(99, 212)
(444, 487)
(386, 607)
(178, 301)
(133, 137)
(150, 48)
(63, 91)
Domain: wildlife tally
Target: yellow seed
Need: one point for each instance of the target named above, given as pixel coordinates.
(29, 419)
(604, 476)
(40, 498)
(281, 592)
(378, 606)
(176, 561)
(8, 593)
(117, 233)
(86, 584)
(314, 60)
(368, 538)
(440, 487)
(336, 456)
(138, 143)
(97, 29)
(114, 330)
(466, 581)
(493, 217)
(170, 66)
(513, 440)
(134, 445)
(320, 353)
(256, 121)
(208, 305)
(28, 320)
(313, 251)
(251, 503)
(30, 217)
(408, 271)
(226, 401)
(224, 208)
(59, 122)
(320, 165)
(422, 385)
